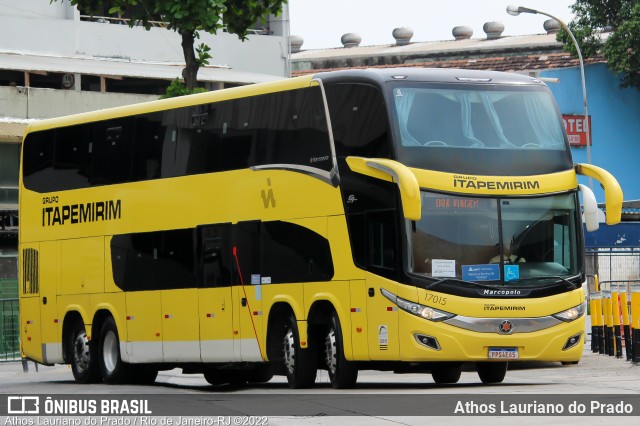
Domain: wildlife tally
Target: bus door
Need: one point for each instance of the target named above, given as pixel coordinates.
(248, 283)
(216, 303)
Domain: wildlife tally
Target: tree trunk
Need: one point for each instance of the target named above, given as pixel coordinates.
(190, 72)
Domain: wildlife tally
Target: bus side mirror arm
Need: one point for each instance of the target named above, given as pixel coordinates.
(392, 171)
(590, 208)
(612, 191)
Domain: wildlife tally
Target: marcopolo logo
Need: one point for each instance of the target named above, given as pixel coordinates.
(75, 406)
(23, 405)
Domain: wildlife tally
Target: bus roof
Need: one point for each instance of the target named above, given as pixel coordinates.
(436, 75)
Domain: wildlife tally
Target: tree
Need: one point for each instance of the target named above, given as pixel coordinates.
(188, 18)
(621, 48)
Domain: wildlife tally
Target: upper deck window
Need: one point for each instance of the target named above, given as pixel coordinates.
(491, 119)
(486, 125)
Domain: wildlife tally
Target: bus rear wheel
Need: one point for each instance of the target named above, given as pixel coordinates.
(447, 373)
(113, 369)
(343, 374)
(492, 372)
(299, 364)
(83, 356)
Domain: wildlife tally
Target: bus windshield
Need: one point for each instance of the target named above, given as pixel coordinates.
(504, 240)
(487, 117)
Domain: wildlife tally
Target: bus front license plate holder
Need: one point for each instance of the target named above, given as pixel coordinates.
(503, 353)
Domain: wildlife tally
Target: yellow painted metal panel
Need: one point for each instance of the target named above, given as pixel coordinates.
(143, 317)
(382, 317)
(179, 314)
(494, 185)
(30, 328)
(179, 203)
(49, 285)
(358, 324)
(215, 309)
(82, 265)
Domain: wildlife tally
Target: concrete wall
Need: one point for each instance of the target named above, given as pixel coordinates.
(19, 102)
(58, 33)
(615, 122)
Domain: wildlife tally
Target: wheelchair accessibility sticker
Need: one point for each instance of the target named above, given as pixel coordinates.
(511, 272)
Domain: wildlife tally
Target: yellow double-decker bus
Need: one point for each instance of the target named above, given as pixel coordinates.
(399, 219)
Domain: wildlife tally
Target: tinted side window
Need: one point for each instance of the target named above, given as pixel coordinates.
(277, 252)
(37, 168)
(294, 129)
(216, 255)
(113, 151)
(359, 120)
(246, 240)
(72, 156)
(293, 253)
(154, 260)
(277, 128)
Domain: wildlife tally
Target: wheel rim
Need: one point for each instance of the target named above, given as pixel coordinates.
(110, 351)
(289, 351)
(81, 351)
(330, 353)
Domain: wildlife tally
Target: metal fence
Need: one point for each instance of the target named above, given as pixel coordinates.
(613, 264)
(9, 330)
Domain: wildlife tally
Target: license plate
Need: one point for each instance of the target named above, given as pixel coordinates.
(503, 353)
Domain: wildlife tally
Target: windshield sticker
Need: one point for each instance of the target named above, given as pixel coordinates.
(443, 268)
(488, 272)
(511, 272)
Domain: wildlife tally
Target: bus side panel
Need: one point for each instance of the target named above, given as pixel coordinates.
(180, 328)
(216, 324)
(82, 266)
(358, 320)
(382, 317)
(143, 334)
(50, 285)
(29, 282)
(341, 250)
(31, 338)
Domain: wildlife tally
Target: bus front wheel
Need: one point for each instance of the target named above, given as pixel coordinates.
(447, 373)
(343, 374)
(113, 369)
(492, 372)
(299, 364)
(83, 356)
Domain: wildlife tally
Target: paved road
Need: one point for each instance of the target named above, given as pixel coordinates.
(599, 376)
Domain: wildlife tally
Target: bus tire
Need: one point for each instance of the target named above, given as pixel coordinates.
(491, 372)
(343, 374)
(83, 355)
(112, 368)
(299, 364)
(447, 373)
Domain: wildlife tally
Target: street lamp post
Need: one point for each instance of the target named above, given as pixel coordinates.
(517, 10)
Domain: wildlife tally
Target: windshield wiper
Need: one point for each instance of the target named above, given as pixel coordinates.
(558, 277)
(455, 280)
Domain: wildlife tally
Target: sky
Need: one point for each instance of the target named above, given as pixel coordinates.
(322, 23)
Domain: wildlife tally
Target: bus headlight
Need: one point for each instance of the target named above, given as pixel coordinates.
(417, 309)
(572, 313)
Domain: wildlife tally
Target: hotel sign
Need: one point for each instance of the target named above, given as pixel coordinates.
(576, 127)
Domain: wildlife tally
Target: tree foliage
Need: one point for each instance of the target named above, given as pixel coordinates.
(621, 48)
(188, 18)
